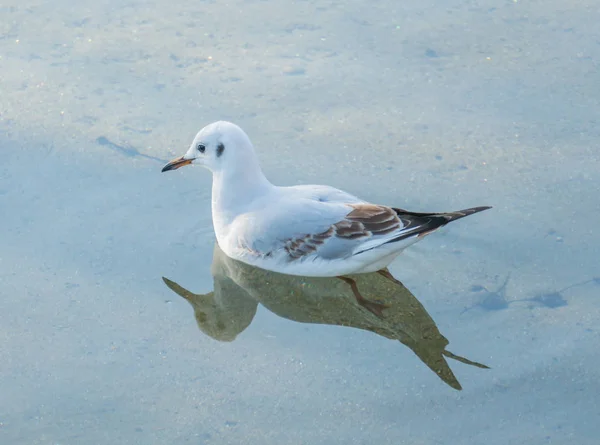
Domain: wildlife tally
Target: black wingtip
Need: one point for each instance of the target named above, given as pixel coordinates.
(453, 216)
(475, 209)
(421, 224)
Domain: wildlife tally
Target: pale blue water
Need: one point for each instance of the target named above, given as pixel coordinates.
(431, 107)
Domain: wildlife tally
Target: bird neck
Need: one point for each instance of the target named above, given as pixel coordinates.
(235, 189)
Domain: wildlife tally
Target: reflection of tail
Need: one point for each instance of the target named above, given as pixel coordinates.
(422, 224)
(464, 360)
(433, 355)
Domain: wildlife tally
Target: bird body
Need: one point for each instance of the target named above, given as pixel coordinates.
(309, 230)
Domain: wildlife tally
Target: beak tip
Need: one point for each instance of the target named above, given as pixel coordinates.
(175, 164)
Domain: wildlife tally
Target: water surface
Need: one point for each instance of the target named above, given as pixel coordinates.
(432, 107)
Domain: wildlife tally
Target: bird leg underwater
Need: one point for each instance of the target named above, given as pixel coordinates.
(373, 307)
(386, 273)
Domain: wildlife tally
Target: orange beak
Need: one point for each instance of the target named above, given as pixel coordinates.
(176, 163)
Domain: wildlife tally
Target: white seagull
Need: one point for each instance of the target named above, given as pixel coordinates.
(308, 230)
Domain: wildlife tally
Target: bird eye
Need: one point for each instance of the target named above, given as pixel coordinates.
(201, 148)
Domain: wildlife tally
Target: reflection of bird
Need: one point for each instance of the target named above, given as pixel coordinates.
(239, 287)
(310, 230)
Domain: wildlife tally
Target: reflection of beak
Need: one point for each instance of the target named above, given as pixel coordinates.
(176, 163)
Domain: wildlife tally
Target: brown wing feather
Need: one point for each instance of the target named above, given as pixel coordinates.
(363, 221)
(299, 247)
(375, 219)
(366, 220)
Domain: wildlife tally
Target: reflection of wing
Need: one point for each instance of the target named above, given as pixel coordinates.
(222, 314)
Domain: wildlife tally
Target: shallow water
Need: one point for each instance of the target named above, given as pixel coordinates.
(431, 107)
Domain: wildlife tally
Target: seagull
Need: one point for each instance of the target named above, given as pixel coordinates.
(307, 230)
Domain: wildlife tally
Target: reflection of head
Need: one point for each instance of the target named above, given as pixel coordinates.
(222, 314)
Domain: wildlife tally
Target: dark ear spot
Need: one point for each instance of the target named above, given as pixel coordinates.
(220, 149)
